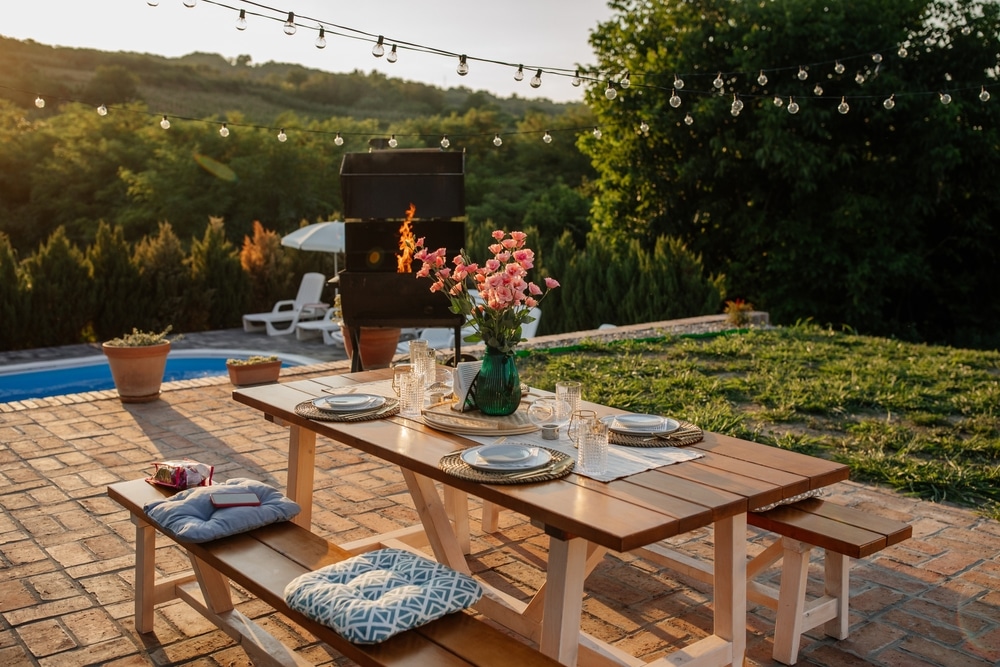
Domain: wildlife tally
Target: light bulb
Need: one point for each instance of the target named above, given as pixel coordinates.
(463, 65)
(290, 24)
(152, 3)
(889, 102)
(688, 119)
(803, 74)
(793, 106)
(610, 91)
(902, 52)
(859, 78)
(536, 80)
(625, 81)
(838, 68)
(392, 141)
(519, 74)
(338, 140)
(103, 110)
(224, 131)
(817, 90)
(241, 22)
(445, 142)
(762, 78)
(945, 98)
(843, 107)
(644, 127)
(718, 82)
(282, 137)
(547, 138)
(497, 141)
(39, 102)
(876, 58)
(393, 56)
(678, 83)
(321, 40)
(675, 99)
(984, 95)
(778, 102)
(190, 3)
(737, 105)
(597, 133)
(966, 30)
(576, 79)
(165, 124)
(379, 49)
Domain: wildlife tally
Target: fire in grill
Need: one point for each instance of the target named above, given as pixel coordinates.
(383, 190)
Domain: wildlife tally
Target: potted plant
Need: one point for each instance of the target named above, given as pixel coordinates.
(137, 362)
(255, 369)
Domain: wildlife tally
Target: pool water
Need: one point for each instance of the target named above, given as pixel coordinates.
(75, 376)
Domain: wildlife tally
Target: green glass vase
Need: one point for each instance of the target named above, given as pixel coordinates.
(498, 386)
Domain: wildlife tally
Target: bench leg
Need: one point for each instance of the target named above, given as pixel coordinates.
(838, 586)
(457, 503)
(145, 574)
(215, 587)
(788, 623)
(491, 517)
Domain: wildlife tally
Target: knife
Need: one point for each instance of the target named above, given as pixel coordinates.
(550, 469)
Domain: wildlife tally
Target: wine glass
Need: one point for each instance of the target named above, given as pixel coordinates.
(579, 422)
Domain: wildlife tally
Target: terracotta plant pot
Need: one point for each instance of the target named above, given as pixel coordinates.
(242, 375)
(137, 371)
(378, 345)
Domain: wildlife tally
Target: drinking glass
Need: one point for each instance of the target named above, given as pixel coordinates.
(411, 393)
(422, 359)
(397, 371)
(570, 393)
(549, 414)
(593, 458)
(578, 423)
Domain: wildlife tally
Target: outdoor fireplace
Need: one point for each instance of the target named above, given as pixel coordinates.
(382, 190)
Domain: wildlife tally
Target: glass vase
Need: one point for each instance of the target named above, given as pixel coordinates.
(498, 386)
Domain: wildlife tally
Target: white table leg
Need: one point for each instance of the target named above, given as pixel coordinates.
(731, 584)
(301, 472)
(433, 516)
(564, 578)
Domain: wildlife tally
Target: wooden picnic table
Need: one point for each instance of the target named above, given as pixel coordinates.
(582, 517)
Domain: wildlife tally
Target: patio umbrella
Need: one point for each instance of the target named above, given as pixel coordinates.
(319, 236)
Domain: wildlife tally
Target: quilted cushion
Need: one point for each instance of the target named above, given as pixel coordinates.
(373, 596)
(190, 516)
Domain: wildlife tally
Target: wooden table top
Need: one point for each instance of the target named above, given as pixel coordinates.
(732, 477)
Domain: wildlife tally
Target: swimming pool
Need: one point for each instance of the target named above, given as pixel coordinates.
(74, 376)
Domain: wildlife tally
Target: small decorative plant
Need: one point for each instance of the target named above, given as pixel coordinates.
(738, 312)
(141, 338)
(255, 369)
(252, 360)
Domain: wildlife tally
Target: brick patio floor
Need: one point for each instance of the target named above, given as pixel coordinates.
(66, 550)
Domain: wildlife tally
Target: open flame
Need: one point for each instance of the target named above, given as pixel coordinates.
(407, 242)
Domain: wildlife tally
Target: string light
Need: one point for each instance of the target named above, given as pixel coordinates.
(338, 140)
(392, 141)
(576, 79)
(762, 78)
(945, 98)
(497, 141)
(678, 83)
(718, 82)
(393, 56)
(902, 53)
(675, 99)
(876, 58)
(190, 3)
(223, 131)
(519, 74)
(843, 107)
(39, 102)
(379, 49)
(463, 65)
(859, 78)
(282, 137)
(165, 123)
(817, 90)
(321, 40)
(289, 27)
(241, 22)
(778, 102)
(838, 68)
(889, 102)
(536, 80)
(597, 133)
(625, 81)
(445, 142)
(793, 106)
(152, 3)
(547, 138)
(610, 91)
(737, 106)
(803, 74)
(103, 110)
(984, 95)
(644, 127)
(688, 119)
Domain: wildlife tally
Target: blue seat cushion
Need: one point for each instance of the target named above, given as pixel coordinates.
(373, 596)
(190, 516)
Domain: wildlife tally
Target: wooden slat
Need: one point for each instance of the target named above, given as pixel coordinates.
(894, 531)
(819, 531)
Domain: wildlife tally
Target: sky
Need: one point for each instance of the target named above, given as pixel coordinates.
(549, 34)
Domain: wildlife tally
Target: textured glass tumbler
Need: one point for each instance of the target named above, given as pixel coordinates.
(411, 393)
(422, 359)
(570, 393)
(593, 457)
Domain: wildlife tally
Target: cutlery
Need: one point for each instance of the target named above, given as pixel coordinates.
(551, 468)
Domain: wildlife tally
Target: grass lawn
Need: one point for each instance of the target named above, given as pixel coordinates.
(922, 419)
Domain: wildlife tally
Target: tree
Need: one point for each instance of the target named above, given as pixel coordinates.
(220, 286)
(59, 293)
(881, 218)
(111, 85)
(267, 266)
(13, 312)
(115, 278)
(164, 282)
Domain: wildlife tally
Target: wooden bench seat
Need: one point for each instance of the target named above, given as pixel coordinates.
(841, 532)
(263, 561)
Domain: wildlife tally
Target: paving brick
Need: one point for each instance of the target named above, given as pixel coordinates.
(93, 654)
(45, 638)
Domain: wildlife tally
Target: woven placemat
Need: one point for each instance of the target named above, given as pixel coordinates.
(307, 409)
(686, 434)
(454, 465)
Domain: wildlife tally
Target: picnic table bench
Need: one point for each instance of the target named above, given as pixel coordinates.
(263, 561)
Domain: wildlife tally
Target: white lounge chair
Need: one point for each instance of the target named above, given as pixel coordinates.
(286, 314)
(325, 326)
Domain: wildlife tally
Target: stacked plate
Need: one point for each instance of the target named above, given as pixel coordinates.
(346, 404)
(506, 457)
(640, 425)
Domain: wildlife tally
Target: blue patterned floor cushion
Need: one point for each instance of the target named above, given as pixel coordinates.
(190, 515)
(375, 595)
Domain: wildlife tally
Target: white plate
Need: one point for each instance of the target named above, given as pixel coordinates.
(537, 458)
(505, 453)
(641, 424)
(349, 402)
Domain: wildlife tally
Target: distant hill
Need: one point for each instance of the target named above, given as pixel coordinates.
(204, 85)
